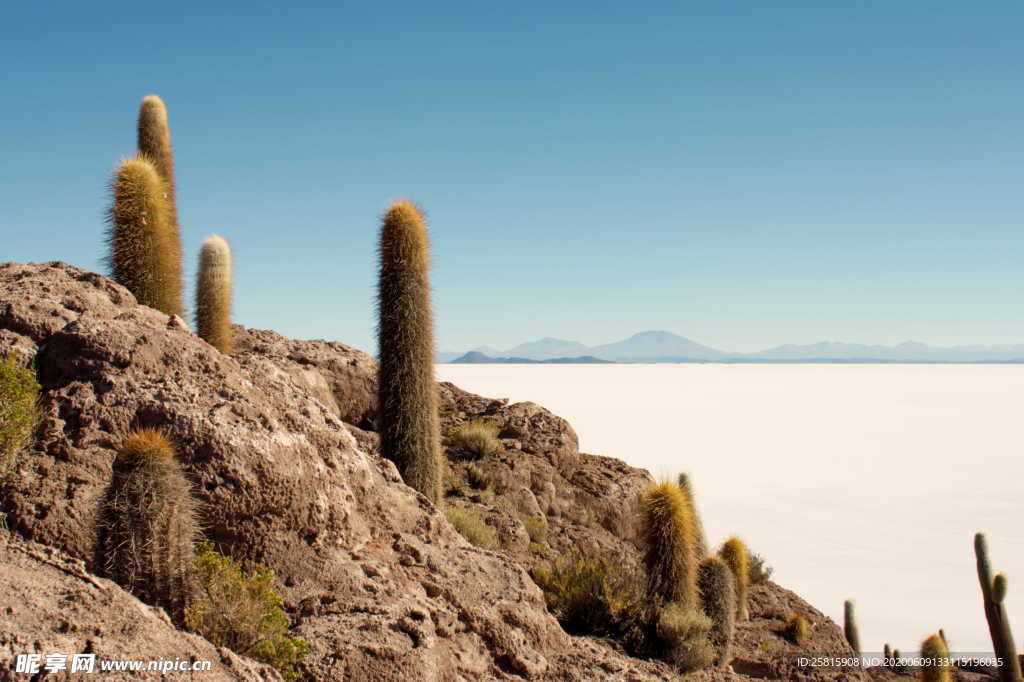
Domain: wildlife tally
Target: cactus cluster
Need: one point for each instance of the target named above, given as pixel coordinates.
(407, 394)
(144, 235)
(993, 591)
(148, 524)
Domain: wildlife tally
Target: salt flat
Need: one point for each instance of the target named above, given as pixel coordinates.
(854, 481)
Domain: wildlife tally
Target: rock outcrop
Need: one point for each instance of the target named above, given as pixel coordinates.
(278, 443)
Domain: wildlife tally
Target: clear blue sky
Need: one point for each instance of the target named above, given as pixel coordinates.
(742, 173)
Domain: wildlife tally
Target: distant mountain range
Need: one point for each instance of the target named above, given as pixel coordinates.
(661, 346)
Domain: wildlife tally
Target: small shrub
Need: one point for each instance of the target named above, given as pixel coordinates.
(684, 633)
(472, 527)
(797, 628)
(758, 570)
(592, 595)
(539, 548)
(536, 528)
(19, 411)
(243, 612)
(474, 439)
(476, 477)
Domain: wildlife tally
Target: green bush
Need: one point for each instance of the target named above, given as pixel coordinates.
(474, 439)
(472, 527)
(243, 612)
(19, 411)
(593, 595)
(685, 637)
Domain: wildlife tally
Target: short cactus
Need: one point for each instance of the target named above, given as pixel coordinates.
(142, 253)
(148, 524)
(213, 294)
(797, 628)
(734, 554)
(993, 591)
(886, 654)
(718, 601)
(407, 395)
(670, 545)
(154, 141)
(935, 661)
(686, 484)
(850, 626)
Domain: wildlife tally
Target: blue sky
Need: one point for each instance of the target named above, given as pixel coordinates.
(742, 173)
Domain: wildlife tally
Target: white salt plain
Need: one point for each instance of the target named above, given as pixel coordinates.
(854, 481)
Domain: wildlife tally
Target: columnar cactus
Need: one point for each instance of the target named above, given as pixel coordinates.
(886, 654)
(148, 524)
(718, 601)
(670, 545)
(687, 487)
(734, 554)
(993, 591)
(935, 666)
(213, 294)
(407, 395)
(850, 626)
(142, 255)
(154, 140)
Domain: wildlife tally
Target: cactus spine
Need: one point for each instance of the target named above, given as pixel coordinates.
(213, 294)
(718, 601)
(141, 255)
(734, 554)
(407, 394)
(686, 485)
(850, 626)
(670, 545)
(149, 524)
(935, 667)
(154, 141)
(993, 591)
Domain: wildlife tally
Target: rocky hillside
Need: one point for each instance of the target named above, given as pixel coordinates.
(279, 444)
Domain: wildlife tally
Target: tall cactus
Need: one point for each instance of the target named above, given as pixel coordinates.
(935, 666)
(718, 601)
(213, 294)
(993, 591)
(734, 554)
(850, 626)
(148, 524)
(670, 545)
(686, 485)
(407, 394)
(154, 141)
(142, 251)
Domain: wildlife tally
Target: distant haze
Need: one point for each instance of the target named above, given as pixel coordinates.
(663, 346)
(864, 483)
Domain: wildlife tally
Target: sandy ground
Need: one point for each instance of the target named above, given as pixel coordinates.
(854, 481)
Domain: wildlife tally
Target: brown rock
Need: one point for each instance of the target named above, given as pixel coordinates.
(374, 577)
